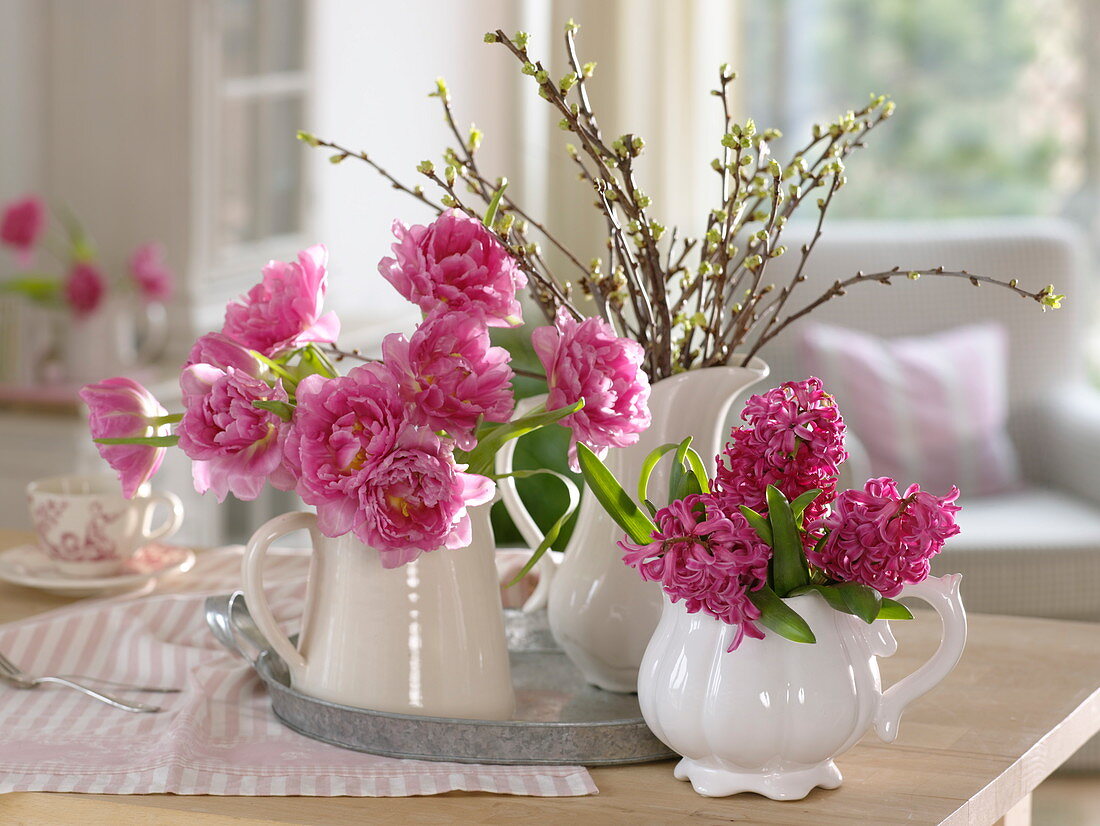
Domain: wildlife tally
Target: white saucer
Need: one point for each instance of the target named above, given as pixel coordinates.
(29, 566)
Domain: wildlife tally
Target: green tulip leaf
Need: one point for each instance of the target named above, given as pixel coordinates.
(615, 500)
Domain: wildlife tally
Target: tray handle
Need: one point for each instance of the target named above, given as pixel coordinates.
(252, 574)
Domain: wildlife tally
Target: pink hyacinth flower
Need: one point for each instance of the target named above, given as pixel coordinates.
(84, 289)
(154, 280)
(883, 539)
(368, 469)
(21, 225)
(120, 408)
(710, 559)
(450, 375)
(455, 261)
(794, 440)
(283, 311)
(234, 446)
(586, 360)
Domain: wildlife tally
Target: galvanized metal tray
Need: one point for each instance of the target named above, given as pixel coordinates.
(560, 719)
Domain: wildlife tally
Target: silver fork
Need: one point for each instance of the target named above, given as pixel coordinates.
(16, 671)
(10, 673)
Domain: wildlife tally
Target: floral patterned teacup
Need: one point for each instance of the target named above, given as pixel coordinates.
(89, 529)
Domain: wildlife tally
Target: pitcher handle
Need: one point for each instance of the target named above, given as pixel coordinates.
(525, 523)
(252, 574)
(942, 593)
(175, 514)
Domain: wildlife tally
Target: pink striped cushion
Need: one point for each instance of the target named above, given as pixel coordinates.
(930, 409)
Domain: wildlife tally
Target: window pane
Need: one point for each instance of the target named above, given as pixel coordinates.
(989, 109)
(262, 36)
(261, 169)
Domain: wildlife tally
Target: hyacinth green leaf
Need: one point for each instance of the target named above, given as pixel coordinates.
(700, 472)
(648, 466)
(759, 524)
(552, 534)
(689, 486)
(861, 600)
(799, 505)
(802, 502)
(788, 560)
(281, 409)
(891, 609)
(649, 506)
(151, 441)
(494, 205)
(615, 500)
(780, 617)
(480, 459)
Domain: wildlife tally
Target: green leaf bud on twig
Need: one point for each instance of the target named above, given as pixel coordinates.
(425, 167)
(641, 199)
(716, 165)
(338, 158)
(529, 69)
(913, 275)
(490, 37)
(563, 125)
(567, 82)
(308, 138)
(753, 262)
(448, 201)
(542, 76)
(476, 136)
(589, 68)
(520, 39)
(571, 27)
(441, 90)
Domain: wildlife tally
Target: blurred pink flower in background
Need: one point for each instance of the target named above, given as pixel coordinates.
(120, 408)
(883, 539)
(708, 558)
(450, 375)
(154, 280)
(456, 261)
(283, 311)
(235, 446)
(84, 289)
(586, 360)
(21, 225)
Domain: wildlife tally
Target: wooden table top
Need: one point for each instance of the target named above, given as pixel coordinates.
(1024, 697)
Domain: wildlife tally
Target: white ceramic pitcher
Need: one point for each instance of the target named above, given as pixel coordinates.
(771, 716)
(601, 612)
(426, 638)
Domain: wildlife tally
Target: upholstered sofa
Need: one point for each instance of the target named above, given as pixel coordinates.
(1036, 550)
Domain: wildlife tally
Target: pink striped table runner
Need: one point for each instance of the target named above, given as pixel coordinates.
(217, 737)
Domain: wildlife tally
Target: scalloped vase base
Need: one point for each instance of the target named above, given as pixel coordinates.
(715, 781)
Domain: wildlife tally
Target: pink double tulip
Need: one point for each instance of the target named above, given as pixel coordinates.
(120, 408)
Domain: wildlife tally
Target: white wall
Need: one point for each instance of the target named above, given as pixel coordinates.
(21, 109)
(375, 64)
